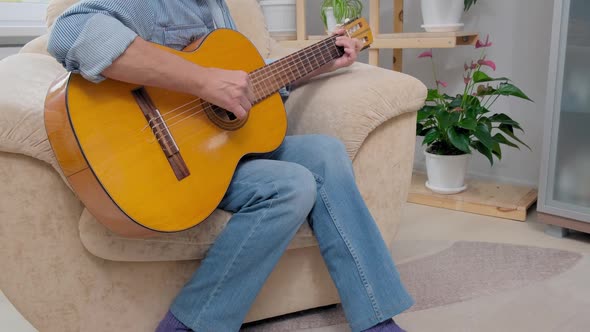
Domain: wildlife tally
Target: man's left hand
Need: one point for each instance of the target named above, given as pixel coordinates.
(352, 47)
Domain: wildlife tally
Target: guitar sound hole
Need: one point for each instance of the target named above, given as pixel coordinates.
(223, 114)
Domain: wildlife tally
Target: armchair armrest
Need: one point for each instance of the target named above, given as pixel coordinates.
(349, 104)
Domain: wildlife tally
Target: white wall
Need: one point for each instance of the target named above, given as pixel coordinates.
(521, 32)
(6, 51)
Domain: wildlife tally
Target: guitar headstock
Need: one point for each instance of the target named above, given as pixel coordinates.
(359, 29)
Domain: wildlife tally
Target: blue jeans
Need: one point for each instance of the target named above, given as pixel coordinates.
(271, 196)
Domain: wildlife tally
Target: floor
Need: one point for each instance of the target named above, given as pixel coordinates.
(513, 311)
(426, 230)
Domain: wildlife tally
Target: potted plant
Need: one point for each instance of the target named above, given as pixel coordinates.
(454, 126)
(336, 12)
(444, 15)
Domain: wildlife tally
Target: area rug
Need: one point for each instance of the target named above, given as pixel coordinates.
(456, 273)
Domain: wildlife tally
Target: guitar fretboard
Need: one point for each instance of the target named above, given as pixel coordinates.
(270, 78)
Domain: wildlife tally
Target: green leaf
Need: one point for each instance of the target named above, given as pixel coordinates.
(507, 89)
(459, 140)
(508, 130)
(505, 119)
(425, 113)
(447, 97)
(446, 119)
(472, 101)
(433, 95)
(468, 123)
(486, 122)
(471, 112)
(482, 133)
(481, 77)
(419, 129)
(483, 150)
(497, 151)
(499, 138)
(456, 102)
(432, 135)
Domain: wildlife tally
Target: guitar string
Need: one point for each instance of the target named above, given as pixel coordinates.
(198, 113)
(273, 71)
(179, 140)
(210, 106)
(334, 52)
(317, 46)
(320, 49)
(320, 46)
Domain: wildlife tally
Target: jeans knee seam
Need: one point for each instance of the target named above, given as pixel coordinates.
(352, 252)
(234, 259)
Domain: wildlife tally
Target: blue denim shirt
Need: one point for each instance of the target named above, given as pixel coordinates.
(90, 35)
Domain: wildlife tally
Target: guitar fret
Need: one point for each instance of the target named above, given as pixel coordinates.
(270, 78)
(315, 58)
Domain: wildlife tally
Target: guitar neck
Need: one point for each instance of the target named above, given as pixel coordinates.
(270, 78)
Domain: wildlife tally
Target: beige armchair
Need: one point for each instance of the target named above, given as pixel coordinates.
(65, 272)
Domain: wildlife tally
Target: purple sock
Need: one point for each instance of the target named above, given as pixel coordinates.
(171, 324)
(387, 326)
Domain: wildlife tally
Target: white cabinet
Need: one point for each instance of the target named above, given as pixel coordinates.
(564, 197)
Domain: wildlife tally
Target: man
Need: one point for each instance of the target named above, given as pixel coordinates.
(270, 196)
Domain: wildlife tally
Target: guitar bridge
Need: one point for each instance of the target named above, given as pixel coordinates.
(162, 133)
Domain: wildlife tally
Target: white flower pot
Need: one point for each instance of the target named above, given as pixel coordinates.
(330, 20)
(280, 16)
(446, 174)
(442, 15)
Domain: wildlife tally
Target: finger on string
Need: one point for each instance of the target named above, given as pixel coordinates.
(245, 103)
(339, 31)
(250, 94)
(240, 112)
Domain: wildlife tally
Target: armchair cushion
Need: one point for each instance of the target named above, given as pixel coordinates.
(24, 81)
(351, 103)
(187, 245)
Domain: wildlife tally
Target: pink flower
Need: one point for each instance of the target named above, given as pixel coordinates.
(473, 65)
(444, 84)
(488, 63)
(466, 67)
(487, 43)
(466, 80)
(426, 54)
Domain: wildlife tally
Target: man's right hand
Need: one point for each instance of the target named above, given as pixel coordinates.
(144, 64)
(228, 89)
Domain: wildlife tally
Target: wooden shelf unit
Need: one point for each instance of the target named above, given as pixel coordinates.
(396, 41)
(499, 200)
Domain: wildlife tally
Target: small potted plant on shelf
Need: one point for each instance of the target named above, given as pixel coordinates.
(336, 12)
(454, 126)
(444, 15)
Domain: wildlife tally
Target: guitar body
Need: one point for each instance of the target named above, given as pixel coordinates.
(112, 158)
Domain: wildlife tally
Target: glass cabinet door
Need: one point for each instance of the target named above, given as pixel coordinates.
(567, 192)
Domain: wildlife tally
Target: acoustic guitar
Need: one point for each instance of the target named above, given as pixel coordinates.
(145, 160)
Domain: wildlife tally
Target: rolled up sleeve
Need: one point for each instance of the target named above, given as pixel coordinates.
(87, 39)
